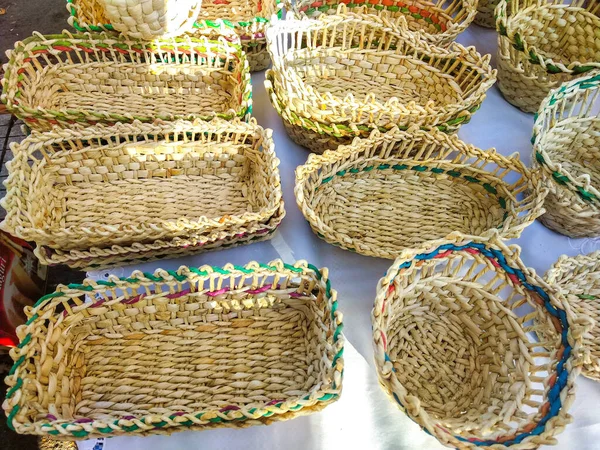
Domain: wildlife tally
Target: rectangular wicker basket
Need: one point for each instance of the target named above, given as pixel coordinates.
(192, 349)
(138, 183)
(247, 19)
(103, 78)
(96, 258)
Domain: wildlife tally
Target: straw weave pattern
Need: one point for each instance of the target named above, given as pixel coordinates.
(177, 350)
(579, 281)
(380, 195)
(542, 44)
(566, 146)
(485, 13)
(151, 19)
(101, 186)
(455, 348)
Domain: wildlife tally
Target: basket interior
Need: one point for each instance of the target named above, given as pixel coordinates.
(178, 349)
(560, 32)
(139, 87)
(430, 82)
(119, 187)
(387, 203)
(462, 339)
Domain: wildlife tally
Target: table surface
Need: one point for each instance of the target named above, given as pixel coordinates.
(364, 417)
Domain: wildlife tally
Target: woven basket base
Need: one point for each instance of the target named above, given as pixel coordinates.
(313, 141)
(258, 60)
(568, 224)
(485, 19)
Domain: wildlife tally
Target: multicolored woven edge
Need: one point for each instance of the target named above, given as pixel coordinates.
(81, 428)
(586, 192)
(558, 381)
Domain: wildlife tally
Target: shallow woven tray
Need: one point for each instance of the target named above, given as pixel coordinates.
(331, 87)
(383, 194)
(456, 349)
(438, 22)
(485, 13)
(177, 350)
(542, 44)
(101, 186)
(102, 78)
(566, 145)
(246, 18)
(578, 279)
(97, 258)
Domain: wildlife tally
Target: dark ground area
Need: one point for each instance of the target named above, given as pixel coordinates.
(20, 19)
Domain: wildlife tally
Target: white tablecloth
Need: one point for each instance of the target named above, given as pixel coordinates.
(364, 417)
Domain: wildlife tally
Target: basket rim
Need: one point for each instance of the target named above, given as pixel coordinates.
(555, 172)
(442, 37)
(66, 41)
(505, 257)
(19, 224)
(512, 225)
(83, 429)
(259, 21)
(533, 54)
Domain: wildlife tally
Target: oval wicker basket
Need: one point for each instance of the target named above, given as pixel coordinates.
(210, 347)
(141, 19)
(578, 279)
(542, 44)
(439, 21)
(455, 347)
(96, 258)
(138, 183)
(89, 79)
(566, 145)
(323, 82)
(485, 13)
(247, 19)
(397, 190)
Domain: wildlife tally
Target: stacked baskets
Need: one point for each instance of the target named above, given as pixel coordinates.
(342, 76)
(542, 44)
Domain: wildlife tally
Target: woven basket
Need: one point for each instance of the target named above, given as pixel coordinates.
(177, 350)
(138, 183)
(542, 44)
(455, 347)
(383, 194)
(321, 81)
(247, 18)
(566, 145)
(578, 279)
(439, 22)
(151, 19)
(485, 13)
(88, 79)
(97, 258)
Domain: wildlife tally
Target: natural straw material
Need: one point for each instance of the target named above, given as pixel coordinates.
(96, 258)
(566, 145)
(151, 19)
(456, 349)
(485, 13)
(438, 22)
(542, 44)
(383, 194)
(248, 19)
(177, 350)
(101, 186)
(341, 76)
(88, 79)
(578, 279)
